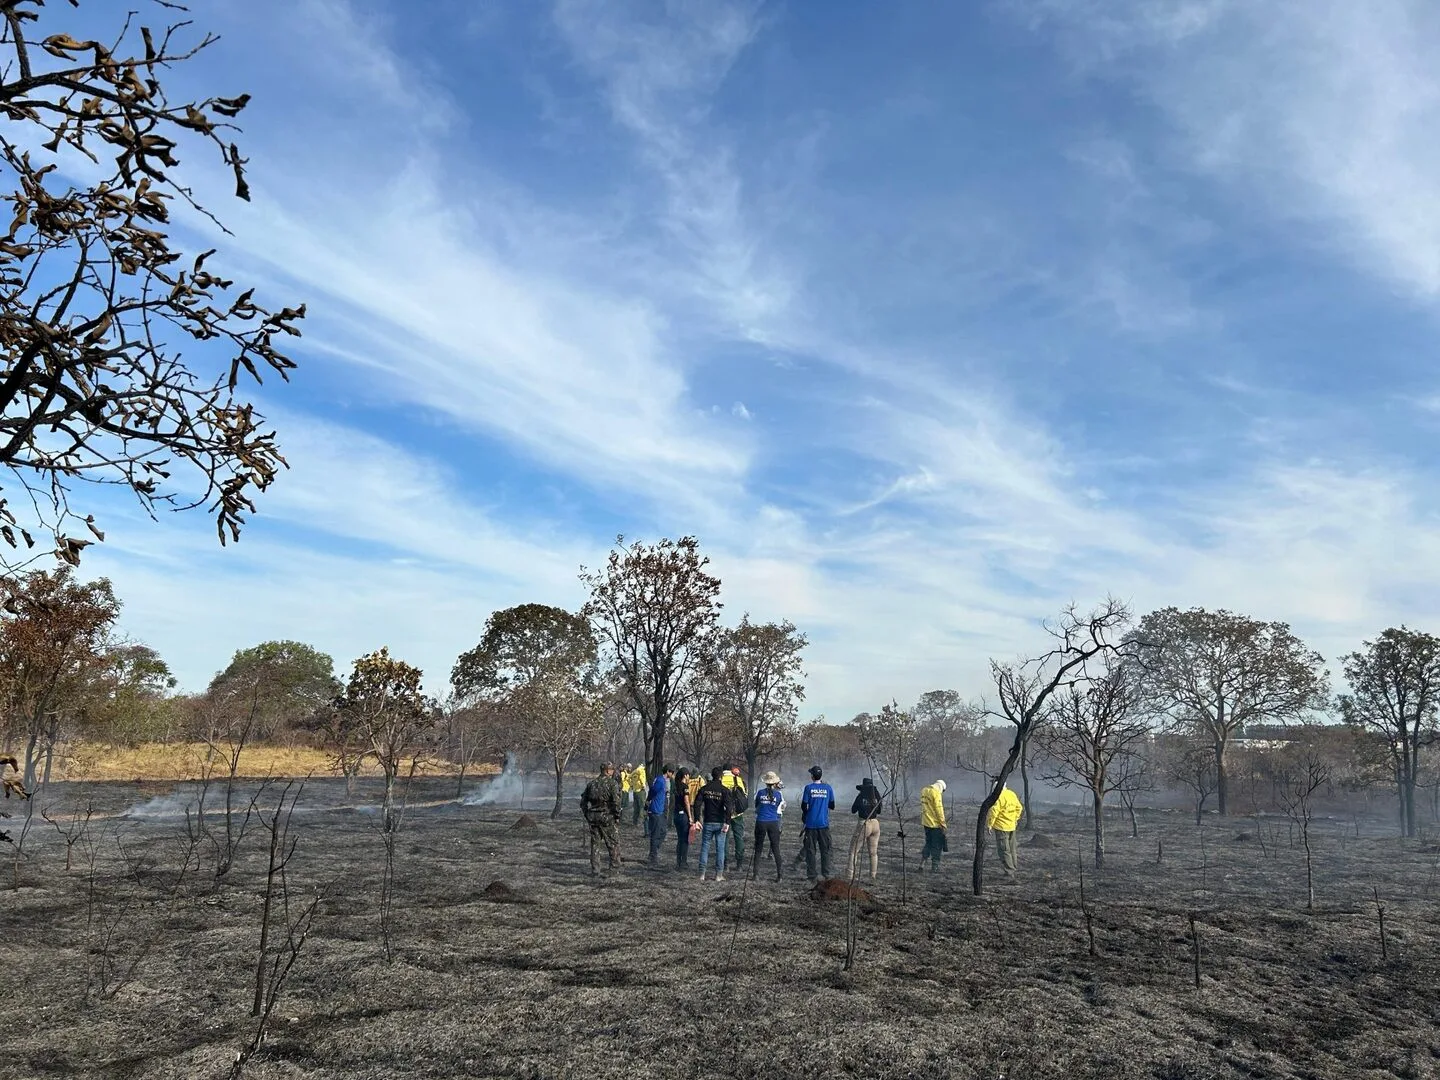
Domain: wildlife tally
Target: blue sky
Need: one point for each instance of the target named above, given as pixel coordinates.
(926, 319)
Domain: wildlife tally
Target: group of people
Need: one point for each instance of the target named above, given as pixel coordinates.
(714, 812)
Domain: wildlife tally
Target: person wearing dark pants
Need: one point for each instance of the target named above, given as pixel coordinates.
(932, 819)
(657, 807)
(769, 805)
(731, 779)
(815, 806)
(681, 804)
(600, 805)
(639, 785)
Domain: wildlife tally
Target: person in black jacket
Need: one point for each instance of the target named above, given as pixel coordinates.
(683, 818)
(867, 807)
(715, 805)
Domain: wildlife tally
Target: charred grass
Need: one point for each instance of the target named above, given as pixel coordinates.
(510, 961)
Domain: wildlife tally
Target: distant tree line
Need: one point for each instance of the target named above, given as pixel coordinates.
(1211, 705)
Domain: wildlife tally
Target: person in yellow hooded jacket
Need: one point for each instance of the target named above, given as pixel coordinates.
(639, 784)
(1002, 820)
(932, 820)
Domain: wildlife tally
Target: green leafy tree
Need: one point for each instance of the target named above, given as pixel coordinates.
(1395, 690)
(947, 721)
(540, 664)
(394, 722)
(655, 609)
(754, 675)
(130, 702)
(1213, 673)
(97, 300)
(54, 636)
(275, 687)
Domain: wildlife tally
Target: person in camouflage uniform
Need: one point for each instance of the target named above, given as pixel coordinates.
(600, 803)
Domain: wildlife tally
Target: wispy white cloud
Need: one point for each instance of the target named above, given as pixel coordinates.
(1322, 111)
(659, 70)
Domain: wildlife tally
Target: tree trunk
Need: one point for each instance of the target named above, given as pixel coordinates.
(1222, 782)
(30, 756)
(559, 786)
(1026, 819)
(389, 801)
(1407, 805)
(1098, 802)
(752, 753)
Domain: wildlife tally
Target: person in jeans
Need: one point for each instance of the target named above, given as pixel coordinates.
(815, 806)
(681, 805)
(769, 805)
(657, 805)
(866, 807)
(713, 804)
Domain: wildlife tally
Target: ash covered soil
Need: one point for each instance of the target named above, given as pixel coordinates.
(552, 974)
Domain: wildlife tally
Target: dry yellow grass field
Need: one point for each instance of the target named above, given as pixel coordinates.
(186, 761)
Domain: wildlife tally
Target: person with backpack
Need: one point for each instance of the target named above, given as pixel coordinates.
(769, 805)
(600, 805)
(740, 803)
(815, 806)
(657, 805)
(714, 804)
(867, 806)
(932, 820)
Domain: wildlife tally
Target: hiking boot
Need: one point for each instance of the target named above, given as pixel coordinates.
(719, 877)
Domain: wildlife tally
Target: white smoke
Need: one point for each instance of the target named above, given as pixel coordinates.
(184, 799)
(508, 787)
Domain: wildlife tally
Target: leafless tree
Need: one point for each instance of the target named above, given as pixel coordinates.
(1023, 691)
(1304, 772)
(1092, 733)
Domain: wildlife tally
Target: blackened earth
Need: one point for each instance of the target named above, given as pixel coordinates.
(509, 960)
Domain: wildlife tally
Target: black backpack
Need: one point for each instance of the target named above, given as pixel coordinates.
(740, 800)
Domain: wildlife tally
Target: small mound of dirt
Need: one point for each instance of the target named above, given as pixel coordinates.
(525, 823)
(497, 892)
(1040, 840)
(839, 889)
(1242, 838)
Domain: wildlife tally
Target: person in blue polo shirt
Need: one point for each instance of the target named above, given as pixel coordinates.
(815, 806)
(769, 805)
(656, 806)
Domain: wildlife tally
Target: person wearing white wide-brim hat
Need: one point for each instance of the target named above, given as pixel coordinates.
(769, 805)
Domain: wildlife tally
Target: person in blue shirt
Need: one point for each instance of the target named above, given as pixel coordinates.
(657, 804)
(769, 805)
(815, 806)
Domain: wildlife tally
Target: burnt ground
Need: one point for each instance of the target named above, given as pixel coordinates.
(652, 973)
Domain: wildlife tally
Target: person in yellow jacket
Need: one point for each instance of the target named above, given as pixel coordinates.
(932, 820)
(731, 779)
(624, 778)
(694, 782)
(1004, 816)
(639, 784)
